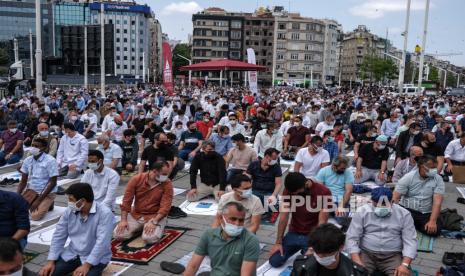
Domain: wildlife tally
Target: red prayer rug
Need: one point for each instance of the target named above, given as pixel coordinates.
(136, 251)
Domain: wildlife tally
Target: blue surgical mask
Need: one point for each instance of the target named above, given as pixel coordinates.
(432, 172)
(231, 229)
(383, 211)
(331, 139)
(246, 193)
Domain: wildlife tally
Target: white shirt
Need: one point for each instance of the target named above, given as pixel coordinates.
(72, 151)
(117, 130)
(263, 141)
(106, 122)
(284, 128)
(455, 151)
(238, 128)
(322, 127)
(311, 164)
(112, 152)
(104, 185)
(92, 120)
(184, 119)
(224, 121)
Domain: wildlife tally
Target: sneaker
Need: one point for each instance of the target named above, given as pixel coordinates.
(174, 268)
(176, 212)
(273, 217)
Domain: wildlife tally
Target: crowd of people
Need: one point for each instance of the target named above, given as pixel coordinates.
(234, 143)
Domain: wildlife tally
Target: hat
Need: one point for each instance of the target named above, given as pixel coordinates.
(231, 113)
(382, 138)
(255, 104)
(380, 192)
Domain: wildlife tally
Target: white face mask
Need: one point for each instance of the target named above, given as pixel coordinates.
(272, 162)
(325, 261)
(93, 166)
(246, 193)
(44, 133)
(13, 130)
(34, 151)
(73, 207)
(162, 178)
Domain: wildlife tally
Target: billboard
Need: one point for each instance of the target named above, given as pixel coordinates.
(167, 68)
(252, 74)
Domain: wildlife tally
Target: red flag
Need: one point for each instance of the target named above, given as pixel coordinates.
(167, 68)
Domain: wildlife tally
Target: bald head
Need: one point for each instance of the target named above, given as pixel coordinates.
(415, 152)
(117, 119)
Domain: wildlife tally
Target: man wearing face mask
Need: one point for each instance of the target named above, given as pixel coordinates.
(232, 249)
(310, 160)
(112, 152)
(205, 126)
(330, 145)
(72, 152)
(268, 138)
(116, 129)
(12, 259)
(305, 216)
(38, 180)
(212, 174)
(88, 225)
(222, 140)
(52, 143)
(372, 162)
(408, 164)
(239, 157)
(325, 125)
(11, 141)
(190, 142)
(406, 140)
(159, 151)
(364, 139)
(90, 123)
(234, 126)
(242, 192)
(108, 119)
(355, 128)
(430, 147)
(103, 180)
(152, 194)
(324, 256)
(339, 181)
(74, 119)
(421, 191)
(394, 252)
(130, 149)
(297, 137)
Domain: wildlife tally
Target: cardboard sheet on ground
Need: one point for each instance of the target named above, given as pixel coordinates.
(267, 270)
(284, 162)
(43, 236)
(351, 154)
(205, 265)
(205, 207)
(458, 174)
(10, 166)
(461, 191)
(14, 175)
(116, 268)
(177, 191)
(62, 182)
(56, 213)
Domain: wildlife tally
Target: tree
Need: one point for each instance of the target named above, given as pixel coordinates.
(4, 57)
(451, 80)
(183, 50)
(433, 74)
(377, 69)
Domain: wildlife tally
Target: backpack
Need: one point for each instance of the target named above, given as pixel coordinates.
(451, 220)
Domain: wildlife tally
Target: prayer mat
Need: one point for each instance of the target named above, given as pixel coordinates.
(425, 242)
(136, 251)
(29, 256)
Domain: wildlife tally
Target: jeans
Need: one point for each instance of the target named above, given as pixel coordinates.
(64, 268)
(184, 154)
(179, 166)
(13, 159)
(23, 243)
(232, 173)
(292, 243)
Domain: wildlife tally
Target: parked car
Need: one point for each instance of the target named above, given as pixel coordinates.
(456, 92)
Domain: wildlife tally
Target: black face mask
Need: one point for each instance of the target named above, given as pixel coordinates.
(210, 154)
(340, 171)
(162, 145)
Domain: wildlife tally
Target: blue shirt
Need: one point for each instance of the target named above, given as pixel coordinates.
(336, 183)
(332, 149)
(389, 128)
(14, 213)
(90, 237)
(40, 171)
(222, 144)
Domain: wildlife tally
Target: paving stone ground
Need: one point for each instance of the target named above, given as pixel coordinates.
(425, 263)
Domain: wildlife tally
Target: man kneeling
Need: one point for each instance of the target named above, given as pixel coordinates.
(152, 194)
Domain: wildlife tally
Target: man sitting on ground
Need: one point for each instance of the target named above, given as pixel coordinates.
(152, 194)
(130, 149)
(372, 162)
(52, 143)
(242, 192)
(310, 160)
(12, 259)
(232, 249)
(11, 143)
(382, 236)
(421, 191)
(14, 217)
(239, 157)
(112, 152)
(324, 256)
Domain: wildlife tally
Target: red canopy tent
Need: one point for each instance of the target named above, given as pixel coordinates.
(223, 65)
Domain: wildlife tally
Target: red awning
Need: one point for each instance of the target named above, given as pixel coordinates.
(223, 64)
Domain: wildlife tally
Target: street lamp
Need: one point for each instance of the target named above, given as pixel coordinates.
(190, 63)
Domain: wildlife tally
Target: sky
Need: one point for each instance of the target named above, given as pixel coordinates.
(446, 28)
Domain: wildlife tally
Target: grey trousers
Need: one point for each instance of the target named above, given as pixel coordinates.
(383, 262)
(370, 174)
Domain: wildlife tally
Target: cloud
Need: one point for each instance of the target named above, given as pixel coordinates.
(373, 9)
(182, 7)
(395, 30)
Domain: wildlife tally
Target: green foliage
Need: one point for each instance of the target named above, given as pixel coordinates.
(183, 50)
(451, 80)
(433, 74)
(376, 69)
(4, 57)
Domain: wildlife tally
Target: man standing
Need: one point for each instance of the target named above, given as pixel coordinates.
(372, 162)
(232, 249)
(38, 181)
(103, 180)
(310, 160)
(303, 221)
(11, 141)
(382, 237)
(72, 152)
(152, 194)
(212, 174)
(421, 191)
(88, 225)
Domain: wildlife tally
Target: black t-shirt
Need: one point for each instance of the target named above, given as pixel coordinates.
(364, 140)
(152, 155)
(149, 133)
(372, 159)
(323, 271)
(138, 124)
(434, 150)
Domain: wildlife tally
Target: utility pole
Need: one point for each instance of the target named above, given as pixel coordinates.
(31, 55)
(102, 50)
(38, 50)
(404, 52)
(86, 72)
(190, 71)
(143, 67)
(311, 76)
(423, 44)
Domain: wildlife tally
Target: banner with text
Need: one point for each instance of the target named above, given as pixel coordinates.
(252, 74)
(167, 68)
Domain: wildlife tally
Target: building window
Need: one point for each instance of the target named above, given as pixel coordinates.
(235, 54)
(281, 35)
(294, 56)
(282, 26)
(117, 57)
(118, 66)
(295, 26)
(294, 66)
(133, 58)
(308, 57)
(295, 36)
(117, 39)
(141, 32)
(235, 44)
(281, 46)
(125, 40)
(117, 49)
(125, 66)
(280, 56)
(125, 58)
(236, 24)
(133, 22)
(236, 34)
(117, 31)
(309, 37)
(141, 67)
(133, 67)
(308, 47)
(141, 41)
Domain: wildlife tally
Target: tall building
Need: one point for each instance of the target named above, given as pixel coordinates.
(155, 63)
(298, 48)
(333, 39)
(356, 45)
